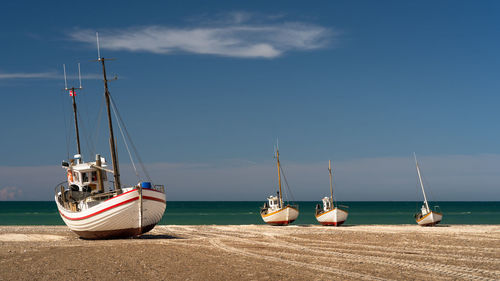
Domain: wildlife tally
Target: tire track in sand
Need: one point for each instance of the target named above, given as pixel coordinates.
(216, 242)
(447, 270)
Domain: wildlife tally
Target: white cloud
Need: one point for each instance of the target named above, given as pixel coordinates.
(33, 75)
(44, 75)
(236, 36)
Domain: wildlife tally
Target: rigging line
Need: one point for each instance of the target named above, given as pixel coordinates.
(334, 185)
(287, 185)
(132, 144)
(124, 140)
(86, 123)
(88, 139)
(418, 191)
(98, 121)
(65, 126)
(92, 142)
(428, 190)
(285, 193)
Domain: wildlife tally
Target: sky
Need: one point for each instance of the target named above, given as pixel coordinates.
(205, 89)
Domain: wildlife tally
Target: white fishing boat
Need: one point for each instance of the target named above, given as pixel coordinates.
(275, 211)
(95, 208)
(426, 216)
(330, 213)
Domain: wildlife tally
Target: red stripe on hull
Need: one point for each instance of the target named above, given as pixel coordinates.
(332, 223)
(98, 212)
(280, 222)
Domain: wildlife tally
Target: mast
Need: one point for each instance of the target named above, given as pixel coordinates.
(421, 184)
(116, 172)
(279, 176)
(331, 186)
(72, 93)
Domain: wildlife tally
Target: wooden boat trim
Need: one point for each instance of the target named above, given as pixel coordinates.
(431, 212)
(330, 211)
(270, 214)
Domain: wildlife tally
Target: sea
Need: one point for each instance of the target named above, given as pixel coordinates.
(247, 212)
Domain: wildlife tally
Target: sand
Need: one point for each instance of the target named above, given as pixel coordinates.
(256, 252)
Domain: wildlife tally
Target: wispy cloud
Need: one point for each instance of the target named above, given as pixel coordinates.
(44, 75)
(32, 75)
(238, 35)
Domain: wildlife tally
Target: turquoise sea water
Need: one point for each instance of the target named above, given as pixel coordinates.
(223, 212)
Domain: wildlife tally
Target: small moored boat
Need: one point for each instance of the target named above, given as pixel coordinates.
(426, 216)
(275, 211)
(330, 213)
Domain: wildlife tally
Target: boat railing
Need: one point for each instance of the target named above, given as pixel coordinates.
(159, 187)
(57, 189)
(82, 196)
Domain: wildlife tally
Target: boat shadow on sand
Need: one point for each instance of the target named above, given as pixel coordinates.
(352, 225)
(158, 236)
(319, 225)
(144, 236)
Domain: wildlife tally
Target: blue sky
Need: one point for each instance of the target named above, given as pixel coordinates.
(205, 88)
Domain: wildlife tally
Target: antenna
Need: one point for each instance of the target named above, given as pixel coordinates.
(72, 88)
(65, 82)
(79, 75)
(98, 51)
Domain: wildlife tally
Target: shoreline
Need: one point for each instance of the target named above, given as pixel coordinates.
(256, 252)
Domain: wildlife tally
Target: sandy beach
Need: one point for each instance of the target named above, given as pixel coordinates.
(256, 252)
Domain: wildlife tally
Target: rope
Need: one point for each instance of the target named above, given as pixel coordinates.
(98, 121)
(333, 183)
(287, 186)
(65, 127)
(117, 113)
(84, 107)
(124, 140)
(83, 132)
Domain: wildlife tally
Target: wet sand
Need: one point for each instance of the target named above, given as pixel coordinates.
(256, 252)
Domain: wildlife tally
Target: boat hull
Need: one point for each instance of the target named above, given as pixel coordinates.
(283, 216)
(334, 217)
(119, 216)
(430, 219)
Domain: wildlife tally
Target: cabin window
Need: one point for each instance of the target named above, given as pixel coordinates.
(85, 177)
(94, 176)
(77, 176)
